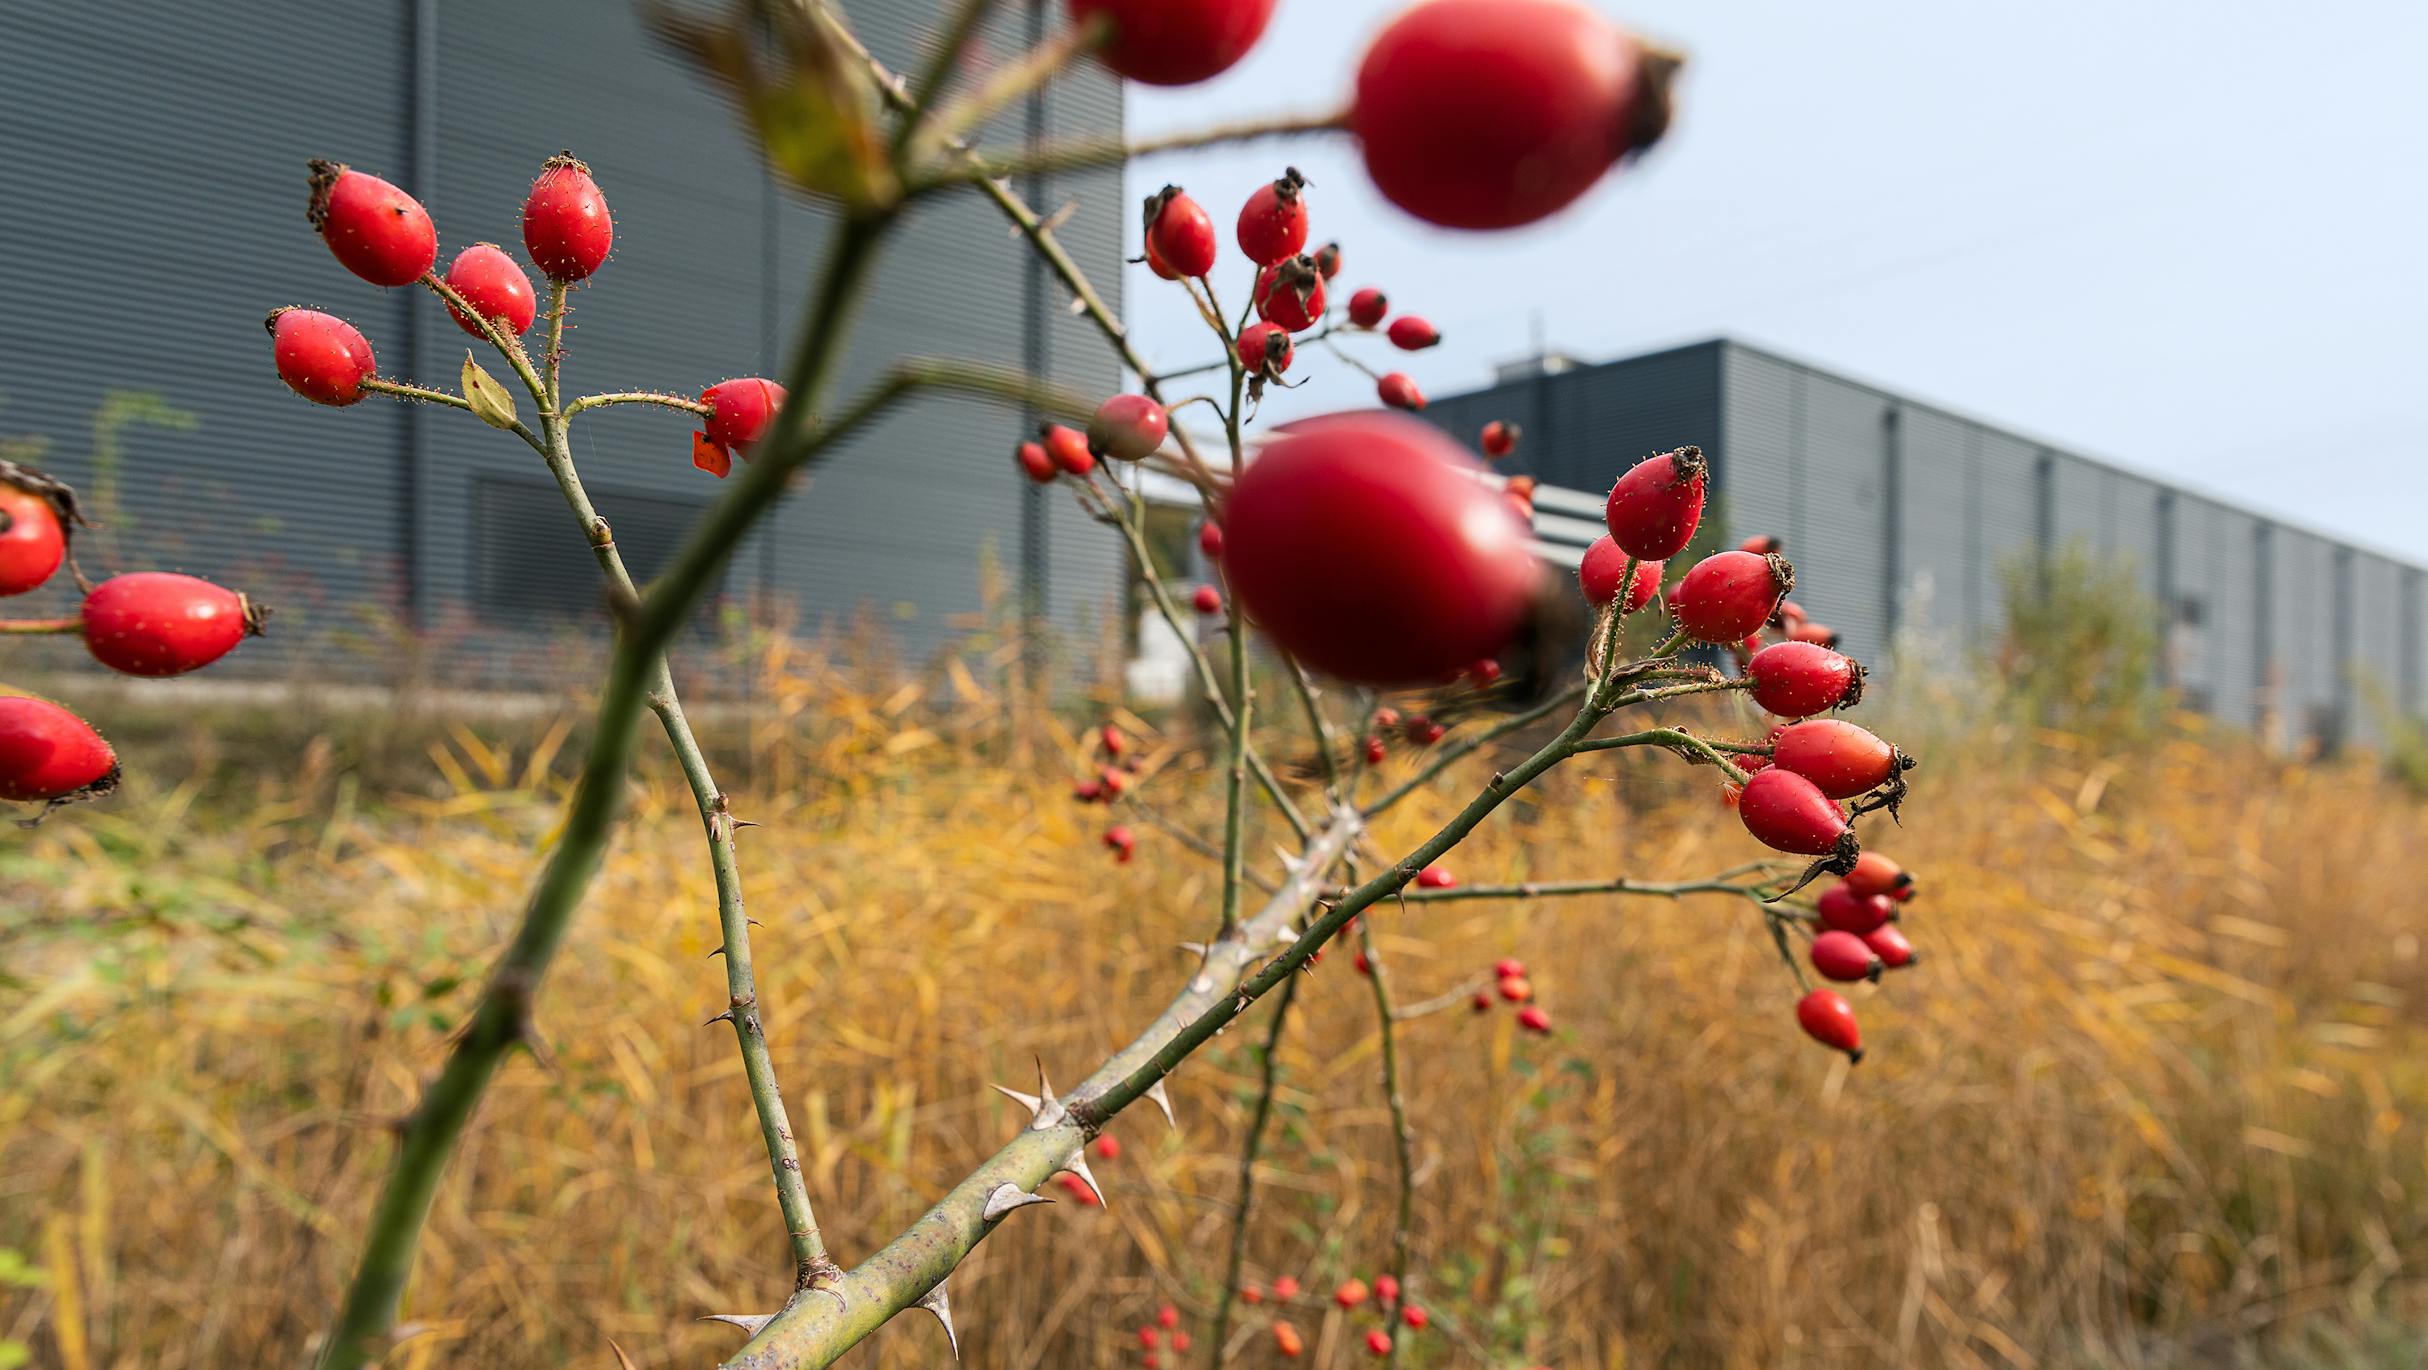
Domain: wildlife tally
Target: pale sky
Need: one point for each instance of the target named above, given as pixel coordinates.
(2187, 238)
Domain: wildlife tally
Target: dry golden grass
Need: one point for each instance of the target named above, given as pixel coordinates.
(2157, 1090)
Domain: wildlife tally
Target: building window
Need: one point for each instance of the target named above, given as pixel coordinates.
(531, 564)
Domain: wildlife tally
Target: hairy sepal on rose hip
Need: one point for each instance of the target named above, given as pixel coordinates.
(1800, 679)
(1368, 307)
(1366, 545)
(1265, 350)
(1174, 42)
(1789, 813)
(1494, 113)
(1127, 428)
(48, 755)
(566, 226)
(374, 229)
(1273, 223)
(1179, 234)
(1842, 908)
(1844, 957)
(1398, 390)
(1068, 448)
(1035, 464)
(1727, 596)
(1827, 1018)
(320, 356)
(33, 540)
(1840, 758)
(496, 288)
(159, 623)
(1653, 509)
(1290, 293)
(1409, 333)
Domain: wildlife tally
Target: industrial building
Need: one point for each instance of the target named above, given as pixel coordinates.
(154, 213)
(1899, 514)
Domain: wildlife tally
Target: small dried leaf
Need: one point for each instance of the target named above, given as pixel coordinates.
(490, 402)
(809, 98)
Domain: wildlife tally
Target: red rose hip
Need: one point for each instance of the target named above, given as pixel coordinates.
(1654, 508)
(1877, 874)
(566, 227)
(32, 540)
(1827, 1018)
(1785, 812)
(1368, 307)
(1366, 545)
(1068, 449)
(1265, 349)
(1800, 679)
(1035, 464)
(1410, 333)
(741, 411)
(1844, 956)
(1728, 596)
(495, 287)
(47, 753)
(1127, 428)
(1273, 223)
(1399, 391)
(320, 356)
(1494, 113)
(1175, 42)
(1838, 757)
(1890, 945)
(157, 623)
(1499, 438)
(375, 230)
(1290, 293)
(1179, 234)
(1842, 908)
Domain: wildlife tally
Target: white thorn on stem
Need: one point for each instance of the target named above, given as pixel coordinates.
(1003, 1198)
(935, 1301)
(1077, 1164)
(748, 1322)
(1196, 949)
(1163, 1100)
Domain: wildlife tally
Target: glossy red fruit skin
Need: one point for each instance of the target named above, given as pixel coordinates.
(375, 230)
(1890, 945)
(1273, 223)
(32, 541)
(1535, 1020)
(1842, 956)
(320, 356)
(1784, 811)
(1175, 42)
(1127, 428)
(566, 226)
(1842, 909)
(1728, 596)
(1494, 113)
(1399, 391)
(1414, 1314)
(1209, 540)
(1827, 1018)
(1878, 874)
(1266, 350)
(1800, 679)
(1806, 630)
(1179, 234)
(741, 411)
(1410, 333)
(48, 753)
(1653, 509)
(496, 288)
(158, 623)
(1508, 967)
(1368, 307)
(1206, 600)
(1499, 438)
(1515, 988)
(1121, 841)
(1435, 878)
(1036, 465)
(1838, 757)
(1365, 545)
(1068, 449)
(1378, 1342)
(1290, 293)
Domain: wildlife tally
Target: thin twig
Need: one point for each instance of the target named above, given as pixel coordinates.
(1403, 1140)
(37, 627)
(1450, 755)
(1249, 1148)
(683, 402)
(1108, 152)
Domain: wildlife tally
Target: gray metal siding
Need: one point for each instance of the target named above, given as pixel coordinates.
(2376, 663)
(1583, 428)
(2004, 523)
(1938, 458)
(2237, 618)
(1764, 452)
(309, 507)
(1842, 562)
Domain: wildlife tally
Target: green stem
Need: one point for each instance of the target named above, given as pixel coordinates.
(37, 627)
(1110, 152)
(1724, 883)
(405, 391)
(1403, 1140)
(665, 401)
(1452, 754)
(559, 303)
(1243, 702)
(1249, 1148)
(1675, 739)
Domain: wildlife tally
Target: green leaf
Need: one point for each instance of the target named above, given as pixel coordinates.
(490, 402)
(809, 98)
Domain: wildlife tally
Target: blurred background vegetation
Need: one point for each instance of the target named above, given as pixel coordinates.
(2155, 1097)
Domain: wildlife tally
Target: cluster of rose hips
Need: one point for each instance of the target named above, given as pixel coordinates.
(147, 623)
(386, 237)
(1163, 1334)
(1510, 986)
(1109, 783)
(1386, 1296)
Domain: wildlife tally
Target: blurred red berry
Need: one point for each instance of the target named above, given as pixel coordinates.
(1068, 449)
(1844, 956)
(1379, 1342)
(1350, 1293)
(1890, 946)
(1877, 874)
(1411, 333)
(1435, 878)
(1841, 908)
(158, 623)
(1122, 842)
(1368, 307)
(1534, 1019)
(1499, 439)
(1127, 428)
(47, 753)
(1035, 464)
(1207, 600)
(1175, 42)
(1517, 989)
(1398, 391)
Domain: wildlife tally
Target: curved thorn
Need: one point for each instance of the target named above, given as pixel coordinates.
(1162, 1099)
(748, 1322)
(1003, 1198)
(1077, 1165)
(935, 1301)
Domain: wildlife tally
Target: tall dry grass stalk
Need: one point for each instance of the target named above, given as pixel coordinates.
(2156, 1091)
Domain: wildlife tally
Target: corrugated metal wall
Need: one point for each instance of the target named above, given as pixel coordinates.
(1905, 521)
(342, 516)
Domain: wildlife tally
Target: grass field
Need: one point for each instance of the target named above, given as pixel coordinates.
(2156, 1096)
